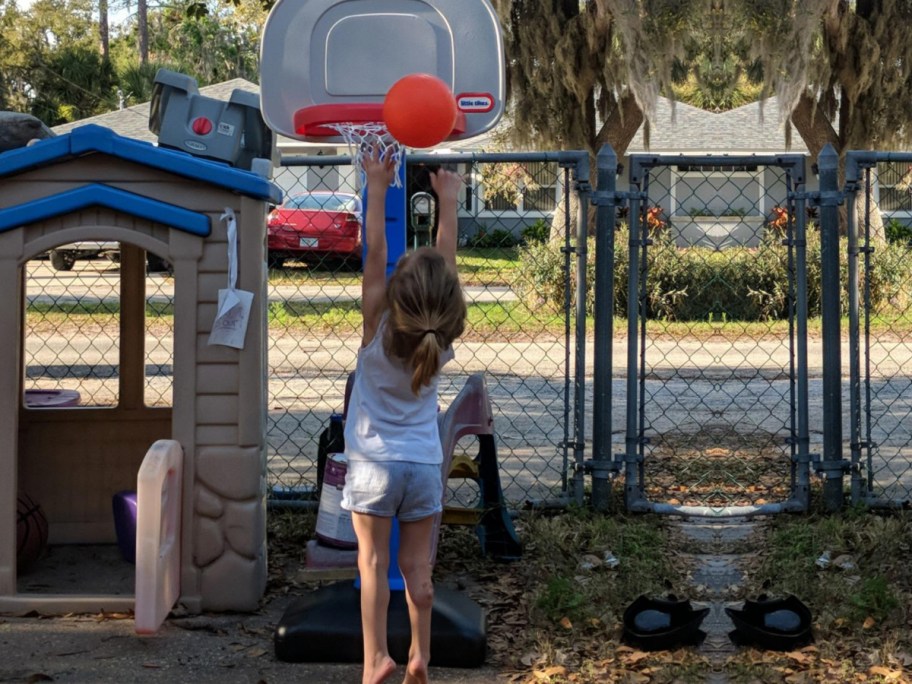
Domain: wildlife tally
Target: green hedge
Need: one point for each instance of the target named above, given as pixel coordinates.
(698, 283)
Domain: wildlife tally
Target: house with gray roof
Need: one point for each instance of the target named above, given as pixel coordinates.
(742, 194)
(718, 204)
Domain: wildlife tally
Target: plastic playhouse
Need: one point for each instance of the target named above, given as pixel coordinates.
(201, 533)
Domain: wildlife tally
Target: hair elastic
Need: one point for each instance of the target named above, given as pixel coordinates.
(429, 330)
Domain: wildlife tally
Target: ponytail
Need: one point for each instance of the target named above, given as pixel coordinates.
(425, 360)
(427, 311)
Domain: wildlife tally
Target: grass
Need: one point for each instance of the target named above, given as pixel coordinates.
(860, 601)
(494, 266)
(477, 266)
(496, 319)
(554, 616)
(509, 320)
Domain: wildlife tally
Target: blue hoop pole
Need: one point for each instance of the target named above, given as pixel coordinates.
(395, 248)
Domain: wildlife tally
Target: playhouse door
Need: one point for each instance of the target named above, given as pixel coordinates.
(158, 500)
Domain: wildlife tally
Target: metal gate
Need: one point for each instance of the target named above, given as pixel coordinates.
(880, 310)
(710, 271)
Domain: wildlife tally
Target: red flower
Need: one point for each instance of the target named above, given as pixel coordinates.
(654, 219)
(780, 219)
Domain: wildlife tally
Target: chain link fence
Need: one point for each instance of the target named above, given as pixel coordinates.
(879, 305)
(723, 258)
(710, 273)
(72, 328)
(516, 264)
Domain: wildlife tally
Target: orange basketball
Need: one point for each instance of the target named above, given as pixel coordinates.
(419, 110)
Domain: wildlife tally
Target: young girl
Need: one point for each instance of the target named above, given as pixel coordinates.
(391, 438)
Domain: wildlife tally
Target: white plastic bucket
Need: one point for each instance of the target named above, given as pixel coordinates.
(334, 523)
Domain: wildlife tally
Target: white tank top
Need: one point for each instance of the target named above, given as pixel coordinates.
(386, 421)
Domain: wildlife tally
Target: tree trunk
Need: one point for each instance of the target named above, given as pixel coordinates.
(103, 29)
(618, 130)
(813, 127)
(142, 23)
(622, 124)
(816, 131)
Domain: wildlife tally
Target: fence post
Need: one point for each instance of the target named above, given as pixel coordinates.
(605, 201)
(831, 465)
(855, 439)
(584, 191)
(802, 483)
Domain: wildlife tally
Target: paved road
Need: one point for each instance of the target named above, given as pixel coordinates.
(95, 280)
(691, 384)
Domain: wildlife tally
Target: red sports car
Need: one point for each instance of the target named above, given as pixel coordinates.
(315, 226)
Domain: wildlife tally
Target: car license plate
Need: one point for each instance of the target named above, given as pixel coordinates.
(309, 242)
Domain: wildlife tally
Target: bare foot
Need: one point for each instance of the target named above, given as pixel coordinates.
(416, 672)
(382, 668)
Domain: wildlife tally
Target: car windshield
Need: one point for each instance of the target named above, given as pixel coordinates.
(349, 203)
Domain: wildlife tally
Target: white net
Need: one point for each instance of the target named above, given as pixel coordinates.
(361, 137)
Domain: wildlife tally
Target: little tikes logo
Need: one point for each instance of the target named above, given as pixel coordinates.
(475, 103)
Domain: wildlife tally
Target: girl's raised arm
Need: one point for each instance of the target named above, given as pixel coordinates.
(379, 171)
(447, 185)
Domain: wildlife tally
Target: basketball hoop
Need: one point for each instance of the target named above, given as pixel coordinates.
(361, 137)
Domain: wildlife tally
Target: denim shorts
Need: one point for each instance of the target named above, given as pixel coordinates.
(410, 491)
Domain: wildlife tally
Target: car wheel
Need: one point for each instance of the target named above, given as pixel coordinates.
(351, 263)
(275, 261)
(156, 264)
(62, 261)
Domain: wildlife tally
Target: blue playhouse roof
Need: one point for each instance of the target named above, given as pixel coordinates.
(92, 138)
(88, 139)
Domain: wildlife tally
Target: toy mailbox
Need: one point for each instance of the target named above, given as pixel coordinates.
(233, 132)
(421, 212)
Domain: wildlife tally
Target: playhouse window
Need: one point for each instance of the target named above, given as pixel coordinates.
(159, 348)
(72, 332)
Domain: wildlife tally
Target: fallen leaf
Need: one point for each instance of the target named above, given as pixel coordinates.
(869, 622)
(800, 658)
(885, 672)
(565, 623)
(635, 657)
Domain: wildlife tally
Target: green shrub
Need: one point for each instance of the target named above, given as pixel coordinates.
(498, 237)
(896, 231)
(539, 231)
(700, 283)
(539, 279)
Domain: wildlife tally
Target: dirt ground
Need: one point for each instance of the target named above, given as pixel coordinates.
(225, 648)
(222, 648)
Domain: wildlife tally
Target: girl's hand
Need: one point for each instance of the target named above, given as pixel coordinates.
(380, 169)
(447, 184)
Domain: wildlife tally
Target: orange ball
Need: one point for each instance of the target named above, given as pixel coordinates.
(419, 110)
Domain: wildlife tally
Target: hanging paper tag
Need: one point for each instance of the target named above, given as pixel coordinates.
(230, 325)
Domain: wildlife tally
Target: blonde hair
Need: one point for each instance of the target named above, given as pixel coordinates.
(427, 311)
